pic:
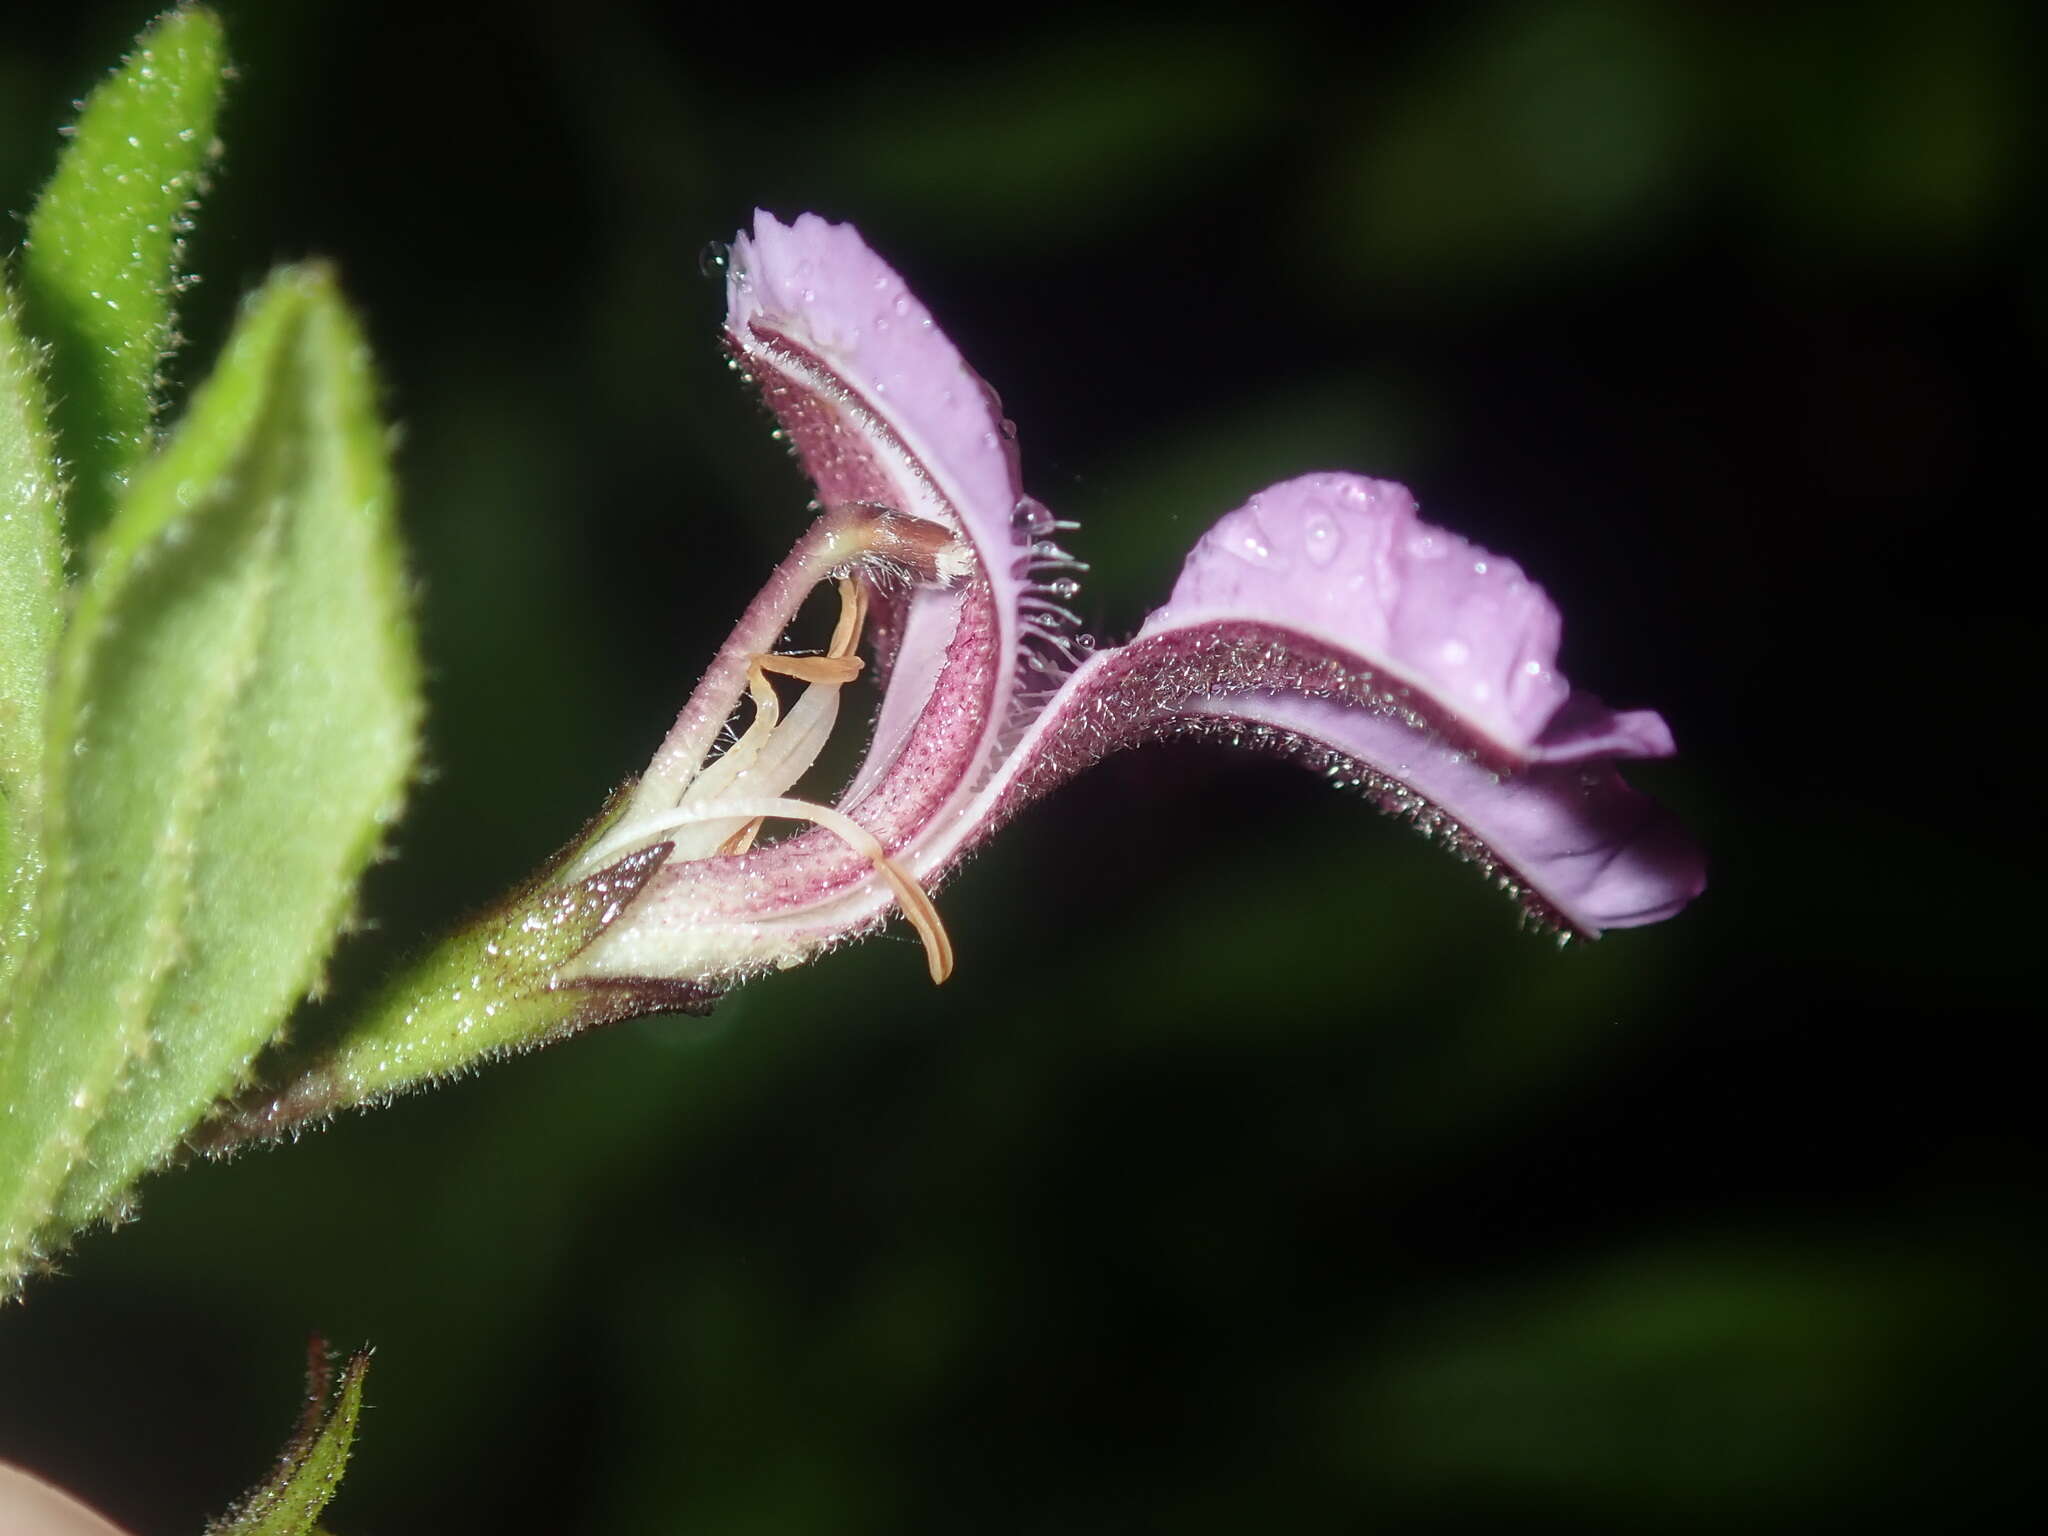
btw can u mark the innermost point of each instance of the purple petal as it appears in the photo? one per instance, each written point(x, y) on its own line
point(889, 412)
point(1326, 621)
point(881, 411)
point(1572, 840)
point(1344, 561)
point(880, 408)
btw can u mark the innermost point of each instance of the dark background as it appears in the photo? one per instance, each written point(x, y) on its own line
point(1254, 1170)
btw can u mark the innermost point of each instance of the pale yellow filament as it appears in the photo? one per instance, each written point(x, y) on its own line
point(707, 799)
point(917, 906)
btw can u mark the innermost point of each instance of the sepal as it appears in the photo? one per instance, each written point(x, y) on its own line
point(499, 986)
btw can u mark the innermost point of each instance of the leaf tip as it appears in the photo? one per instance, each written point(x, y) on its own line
point(309, 1469)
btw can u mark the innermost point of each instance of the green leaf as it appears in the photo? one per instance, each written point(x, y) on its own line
point(289, 1501)
point(99, 271)
point(31, 619)
point(232, 728)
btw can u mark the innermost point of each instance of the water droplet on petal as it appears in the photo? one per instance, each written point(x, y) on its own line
point(715, 259)
point(1322, 538)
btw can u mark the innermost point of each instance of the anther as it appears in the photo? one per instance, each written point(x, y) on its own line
point(773, 752)
point(931, 552)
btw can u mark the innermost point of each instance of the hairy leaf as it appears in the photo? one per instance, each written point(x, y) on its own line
point(99, 272)
point(31, 619)
point(232, 727)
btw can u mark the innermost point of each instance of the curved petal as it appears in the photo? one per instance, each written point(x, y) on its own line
point(1324, 620)
point(880, 407)
point(882, 412)
point(1345, 561)
point(1572, 841)
point(812, 310)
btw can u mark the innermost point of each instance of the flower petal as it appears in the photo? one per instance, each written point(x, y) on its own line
point(1345, 561)
point(880, 408)
point(890, 409)
point(1571, 840)
point(882, 412)
point(1324, 620)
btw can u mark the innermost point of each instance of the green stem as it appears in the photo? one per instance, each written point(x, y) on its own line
point(492, 989)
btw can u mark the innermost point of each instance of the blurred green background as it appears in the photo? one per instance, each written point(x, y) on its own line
point(1254, 1170)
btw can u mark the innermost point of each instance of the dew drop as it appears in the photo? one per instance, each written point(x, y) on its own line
point(1031, 520)
point(715, 260)
point(1322, 537)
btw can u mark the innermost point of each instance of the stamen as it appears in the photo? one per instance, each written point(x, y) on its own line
point(927, 551)
point(853, 618)
point(777, 749)
point(811, 669)
point(803, 731)
point(910, 896)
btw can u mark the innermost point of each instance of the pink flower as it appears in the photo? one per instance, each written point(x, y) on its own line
point(1323, 620)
